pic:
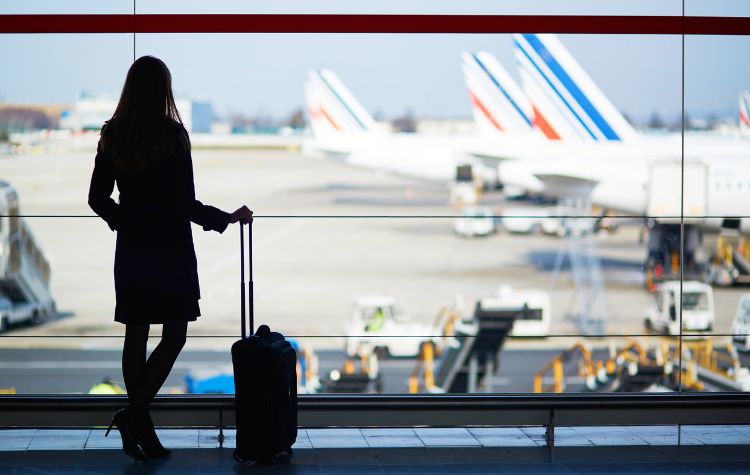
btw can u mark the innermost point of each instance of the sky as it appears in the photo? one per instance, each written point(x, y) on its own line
point(263, 73)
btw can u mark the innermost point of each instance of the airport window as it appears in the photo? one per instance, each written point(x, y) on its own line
point(495, 212)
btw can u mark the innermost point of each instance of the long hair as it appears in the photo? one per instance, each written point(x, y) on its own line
point(146, 126)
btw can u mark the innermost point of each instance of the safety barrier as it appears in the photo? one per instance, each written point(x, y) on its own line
point(548, 410)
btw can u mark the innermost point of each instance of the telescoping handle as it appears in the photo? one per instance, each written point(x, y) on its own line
point(242, 277)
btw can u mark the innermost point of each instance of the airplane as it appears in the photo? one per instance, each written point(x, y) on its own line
point(498, 104)
point(343, 130)
point(601, 158)
point(559, 136)
point(548, 138)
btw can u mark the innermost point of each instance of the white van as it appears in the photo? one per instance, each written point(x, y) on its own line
point(697, 307)
point(532, 220)
point(476, 221)
point(741, 324)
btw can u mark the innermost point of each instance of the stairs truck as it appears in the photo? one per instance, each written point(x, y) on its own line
point(24, 270)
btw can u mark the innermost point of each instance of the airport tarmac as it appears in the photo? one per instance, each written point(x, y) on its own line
point(309, 269)
point(56, 371)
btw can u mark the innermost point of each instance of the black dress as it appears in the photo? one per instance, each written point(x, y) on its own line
point(156, 272)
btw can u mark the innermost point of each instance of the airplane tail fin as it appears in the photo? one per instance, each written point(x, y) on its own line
point(744, 113)
point(332, 108)
point(564, 94)
point(498, 104)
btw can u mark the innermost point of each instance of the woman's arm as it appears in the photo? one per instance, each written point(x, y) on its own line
point(100, 191)
point(212, 219)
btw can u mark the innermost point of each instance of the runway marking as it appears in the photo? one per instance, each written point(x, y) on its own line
point(233, 259)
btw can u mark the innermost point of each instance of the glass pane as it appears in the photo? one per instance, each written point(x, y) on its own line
point(579, 278)
point(47, 88)
point(33, 7)
point(458, 226)
point(713, 311)
point(715, 183)
point(634, 99)
point(717, 8)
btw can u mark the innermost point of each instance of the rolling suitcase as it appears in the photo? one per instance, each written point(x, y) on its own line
point(265, 383)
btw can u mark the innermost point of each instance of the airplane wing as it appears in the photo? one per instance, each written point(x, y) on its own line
point(490, 158)
point(563, 185)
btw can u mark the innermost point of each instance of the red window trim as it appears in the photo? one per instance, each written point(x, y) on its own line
point(310, 23)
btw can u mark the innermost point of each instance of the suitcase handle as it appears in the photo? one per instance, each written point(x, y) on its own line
point(242, 277)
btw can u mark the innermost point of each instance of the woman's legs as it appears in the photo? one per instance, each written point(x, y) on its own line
point(134, 359)
point(144, 378)
point(161, 360)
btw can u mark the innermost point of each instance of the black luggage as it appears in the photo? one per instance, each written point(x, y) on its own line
point(265, 383)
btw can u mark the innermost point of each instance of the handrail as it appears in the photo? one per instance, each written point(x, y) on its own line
point(436, 410)
point(307, 402)
point(376, 410)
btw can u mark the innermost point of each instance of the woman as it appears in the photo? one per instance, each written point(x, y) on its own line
point(145, 150)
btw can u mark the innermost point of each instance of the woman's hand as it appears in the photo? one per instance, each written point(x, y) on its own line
point(243, 214)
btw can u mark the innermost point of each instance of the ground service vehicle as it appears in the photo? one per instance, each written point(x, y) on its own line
point(662, 261)
point(476, 221)
point(531, 220)
point(534, 320)
point(697, 307)
point(464, 190)
point(378, 326)
point(24, 270)
point(741, 324)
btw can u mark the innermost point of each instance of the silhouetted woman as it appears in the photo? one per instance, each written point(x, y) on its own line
point(145, 150)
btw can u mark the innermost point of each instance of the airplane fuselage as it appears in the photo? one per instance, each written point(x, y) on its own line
point(616, 175)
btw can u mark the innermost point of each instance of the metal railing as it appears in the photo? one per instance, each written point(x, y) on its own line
point(547, 410)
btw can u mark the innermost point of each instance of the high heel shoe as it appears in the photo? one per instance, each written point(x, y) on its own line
point(129, 445)
point(146, 434)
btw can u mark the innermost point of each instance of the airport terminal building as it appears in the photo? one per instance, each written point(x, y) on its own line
point(91, 110)
point(553, 280)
